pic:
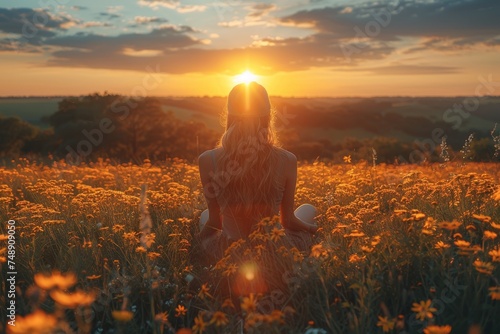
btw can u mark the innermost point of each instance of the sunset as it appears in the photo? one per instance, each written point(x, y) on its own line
point(250, 167)
point(319, 48)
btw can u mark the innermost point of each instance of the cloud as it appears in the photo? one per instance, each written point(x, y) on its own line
point(398, 69)
point(180, 54)
point(110, 16)
point(149, 19)
point(172, 4)
point(78, 8)
point(472, 21)
point(163, 38)
point(93, 24)
point(256, 16)
point(114, 9)
point(440, 25)
point(260, 9)
point(32, 23)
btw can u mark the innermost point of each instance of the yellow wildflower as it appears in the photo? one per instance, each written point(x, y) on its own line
point(180, 311)
point(199, 323)
point(219, 319)
point(249, 304)
point(204, 291)
point(437, 329)
point(450, 225)
point(489, 235)
point(56, 279)
point(385, 323)
point(72, 300)
point(462, 243)
point(122, 315)
point(441, 245)
point(484, 267)
point(36, 322)
point(495, 254)
point(423, 309)
point(494, 293)
point(276, 234)
point(231, 269)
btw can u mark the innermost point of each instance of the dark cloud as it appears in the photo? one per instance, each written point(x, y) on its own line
point(158, 39)
point(110, 16)
point(287, 55)
point(33, 24)
point(471, 21)
point(145, 20)
point(260, 9)
point(439, 25)
point(410, 70)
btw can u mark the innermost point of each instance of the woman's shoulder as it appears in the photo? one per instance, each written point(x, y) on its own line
point(289, 156)
point(207, 155)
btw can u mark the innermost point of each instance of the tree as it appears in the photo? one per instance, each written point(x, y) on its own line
point(14, 133)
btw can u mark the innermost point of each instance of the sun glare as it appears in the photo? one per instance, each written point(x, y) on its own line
point(245, 77)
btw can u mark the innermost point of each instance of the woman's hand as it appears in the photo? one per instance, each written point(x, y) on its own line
point(206, 234)
point(297, 224)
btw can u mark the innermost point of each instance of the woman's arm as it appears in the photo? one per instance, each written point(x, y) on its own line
point(288, 218)
point(214, 222)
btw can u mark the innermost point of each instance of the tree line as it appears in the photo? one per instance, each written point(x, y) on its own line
point(126, 129)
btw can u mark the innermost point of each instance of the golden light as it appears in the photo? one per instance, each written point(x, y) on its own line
point(245, 77)
point(248, 270)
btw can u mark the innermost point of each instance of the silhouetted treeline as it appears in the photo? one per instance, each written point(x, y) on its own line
point(108, 126)
point(132, 129)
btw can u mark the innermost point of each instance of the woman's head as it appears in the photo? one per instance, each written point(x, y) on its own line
point(248, 116)
point(248, 100)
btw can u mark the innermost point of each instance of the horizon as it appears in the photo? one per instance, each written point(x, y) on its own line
point(295, 49)
point(270, 96)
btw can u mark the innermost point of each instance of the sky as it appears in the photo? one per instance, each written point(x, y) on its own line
point(305, 48)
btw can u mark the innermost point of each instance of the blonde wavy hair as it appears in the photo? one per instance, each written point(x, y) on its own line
point(249, 161)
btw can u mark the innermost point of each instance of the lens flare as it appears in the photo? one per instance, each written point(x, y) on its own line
point(245, 77)
point(248, 270)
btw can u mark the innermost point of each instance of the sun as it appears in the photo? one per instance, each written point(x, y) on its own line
point(245, 77)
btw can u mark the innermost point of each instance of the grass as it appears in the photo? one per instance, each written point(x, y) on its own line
point(401, 249)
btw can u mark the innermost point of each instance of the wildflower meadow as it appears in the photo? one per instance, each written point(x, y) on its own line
point(113, 248)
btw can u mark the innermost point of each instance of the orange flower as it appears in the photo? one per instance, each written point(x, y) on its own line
point(231, 269)
point(276, 234)
point(494, 293)
point(437, 329)
point(219, 319)
point(180, 311)
point(36, 322)
point(204, 292)
point(489, 235)
point(385, 323)
point(450, 225)
point(441, 245)
point(423, 309)
point(72, 300)
point(462, 243)
point(249, 304)
point(495, 254)
point(484, 267)
point(199, 323)
point(55, 280)
point(122, 315)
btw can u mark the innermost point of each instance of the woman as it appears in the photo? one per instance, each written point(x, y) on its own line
point(248, 177)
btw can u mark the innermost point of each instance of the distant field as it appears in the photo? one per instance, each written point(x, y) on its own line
point(403, 118)
point(29, 109)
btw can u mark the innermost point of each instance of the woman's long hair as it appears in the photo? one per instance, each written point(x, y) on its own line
point(249, 164)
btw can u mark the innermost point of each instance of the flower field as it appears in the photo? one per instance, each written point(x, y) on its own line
point(401, 249)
